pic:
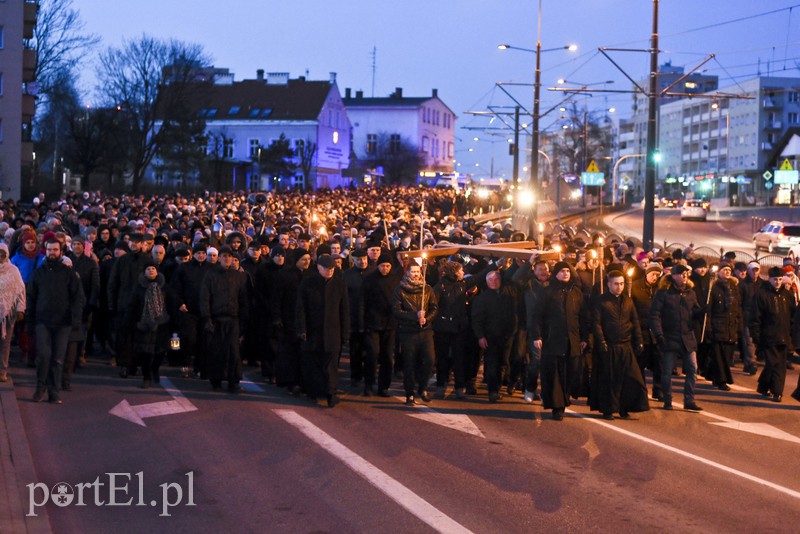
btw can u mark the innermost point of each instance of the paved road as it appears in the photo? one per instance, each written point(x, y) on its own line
point(265, 461)
point(729, 228)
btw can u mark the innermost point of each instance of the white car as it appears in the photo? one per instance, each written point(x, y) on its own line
point(694, 210)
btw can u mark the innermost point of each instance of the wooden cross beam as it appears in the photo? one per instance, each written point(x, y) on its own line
point(517, 249)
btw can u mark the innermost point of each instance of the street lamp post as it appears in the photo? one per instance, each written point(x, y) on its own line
point(614, 175)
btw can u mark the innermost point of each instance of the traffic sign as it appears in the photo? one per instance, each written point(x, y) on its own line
point(592, 167)
point(593, 178)
point(626, 179)
point(786, 177)
point(785, 166)
point(768, 185)
point(767, 175)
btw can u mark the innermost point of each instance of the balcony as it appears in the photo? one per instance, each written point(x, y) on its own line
point(766, 145)
point(29, 61)
point(773, 125)
point(27, 153)
point(771, 103)
point(29, 19)
point(28, 107)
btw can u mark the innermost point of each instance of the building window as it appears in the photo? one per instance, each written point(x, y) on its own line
point(425, 144)
point(792, 117)
point(227, 151)
point(450, 150)
point(159, 179)
point(254, 146)
point(1, 84)
point(234, 110)
point(794, 96)
point(2, 38)
point(335, 137)
point(394, 143)
point(372, 143)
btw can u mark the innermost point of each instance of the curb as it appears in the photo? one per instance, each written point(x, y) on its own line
point(17, 470)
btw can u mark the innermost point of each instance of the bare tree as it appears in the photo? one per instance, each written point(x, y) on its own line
point(59, 42)
point(400, 159)
point(306, 151)
point(151, 81)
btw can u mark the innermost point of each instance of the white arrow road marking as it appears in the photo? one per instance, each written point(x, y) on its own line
point(459, 422)
point(400, 494)
point(762, 429)
point(137, 414)
point(711, 463)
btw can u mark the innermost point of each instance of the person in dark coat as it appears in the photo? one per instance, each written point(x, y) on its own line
point(642, 291)
point(89, 272)
point(54, 306)
point(451, 328)
point(121, 283)
point(673, 314)
point(724, 326)
point(287, 363)
point(559, 331)
point(267, 311)
point(185, 290)
point(354, 279)
point(251, 352)
point(771, 328)
point(380, 326)
point(748, 287)
point(494, 322)
point(224, 308)
point(533, 277)
point(617, 383)
point(322, 324)
point(414, 306)
point(147, 315)
point(701, 283)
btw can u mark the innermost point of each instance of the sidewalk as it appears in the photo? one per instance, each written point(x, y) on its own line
point(16, 470)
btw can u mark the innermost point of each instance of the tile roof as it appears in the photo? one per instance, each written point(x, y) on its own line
point(257, 100)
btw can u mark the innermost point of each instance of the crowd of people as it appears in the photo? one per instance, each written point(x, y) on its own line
point(283, 282)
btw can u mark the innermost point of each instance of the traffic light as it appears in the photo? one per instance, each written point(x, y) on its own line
point(656, 156)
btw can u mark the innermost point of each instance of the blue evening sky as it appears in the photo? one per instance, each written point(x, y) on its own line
point(451, 45)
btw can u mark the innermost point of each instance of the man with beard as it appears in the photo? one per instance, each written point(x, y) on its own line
point(414, 306)
point(354, 279)
point(770, 326)
point(54, 306)
point(380, 326)
point(322, 322)
point(121, 283)
point(559, 332)
point(673, 314)
point(642, 292)
point(224, 309)
point(267, 310)
point(494, 322)
point(617, 384)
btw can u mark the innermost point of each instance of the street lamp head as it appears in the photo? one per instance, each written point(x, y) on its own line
point(503, 46)
point(572, 47)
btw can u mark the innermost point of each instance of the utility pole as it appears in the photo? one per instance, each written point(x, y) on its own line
point(516, 147)
point(648, 226)
point(537, 191)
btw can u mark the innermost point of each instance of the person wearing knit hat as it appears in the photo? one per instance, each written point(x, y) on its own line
point(642, 291)
point(385, 257)
point(277, 250)
point(772, 331)
point(556, 331)
point(28, 256)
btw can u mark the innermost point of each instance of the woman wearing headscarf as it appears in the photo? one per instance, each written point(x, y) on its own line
point(148, 315)
point(12, 306)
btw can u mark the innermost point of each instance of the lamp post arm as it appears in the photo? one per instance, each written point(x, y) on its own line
point(614, 174)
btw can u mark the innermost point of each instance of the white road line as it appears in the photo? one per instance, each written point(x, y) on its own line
point(403, 496)
point(706, 461)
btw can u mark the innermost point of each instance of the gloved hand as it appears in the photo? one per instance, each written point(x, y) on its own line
point(604, 348)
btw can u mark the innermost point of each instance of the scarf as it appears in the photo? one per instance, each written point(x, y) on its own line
point(12, 293)
point(410, 285)
point(153, 311)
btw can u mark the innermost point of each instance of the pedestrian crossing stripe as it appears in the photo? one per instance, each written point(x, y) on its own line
point(593, 167)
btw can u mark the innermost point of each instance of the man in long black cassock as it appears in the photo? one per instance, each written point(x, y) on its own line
point(617, 383)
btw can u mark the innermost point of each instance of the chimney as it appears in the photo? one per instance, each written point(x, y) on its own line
point(435, 93)
point(398, 92)
point(359, 94)
point(347, 92)
point(260, 75)
point(333, 77)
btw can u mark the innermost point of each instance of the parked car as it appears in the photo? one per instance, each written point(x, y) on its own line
point(693, 209)
point(777, 236)
point(670, 202)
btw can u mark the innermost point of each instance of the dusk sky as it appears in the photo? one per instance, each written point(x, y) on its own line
point(451, 45)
